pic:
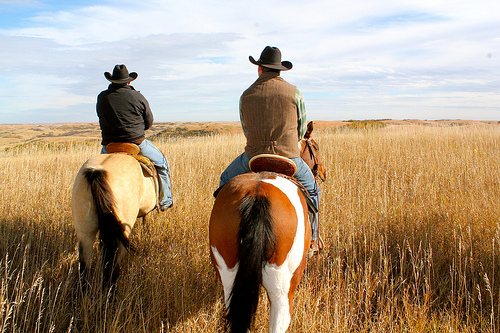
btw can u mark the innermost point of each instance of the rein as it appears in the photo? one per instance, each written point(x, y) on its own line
point(312, 153)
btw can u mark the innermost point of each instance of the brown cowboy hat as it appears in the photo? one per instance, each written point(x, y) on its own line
point(120, 75)
point(271, 58)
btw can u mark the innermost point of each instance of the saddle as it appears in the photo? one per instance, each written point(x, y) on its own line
point(123, 147)
point(283, 166)
point(133, 150)
point(274, 163)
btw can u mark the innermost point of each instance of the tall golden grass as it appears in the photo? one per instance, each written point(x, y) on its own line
point(409, 214)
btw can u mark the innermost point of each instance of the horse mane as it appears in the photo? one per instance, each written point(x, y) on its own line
point(111, 230)
point(256, 245)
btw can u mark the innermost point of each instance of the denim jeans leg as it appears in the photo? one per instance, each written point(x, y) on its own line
point(237, 167)
point(305, 176)
point(161, 163)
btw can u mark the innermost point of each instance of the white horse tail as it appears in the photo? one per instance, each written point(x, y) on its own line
point(111, 229)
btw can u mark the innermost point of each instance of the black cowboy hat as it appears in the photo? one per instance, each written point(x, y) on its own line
point(120, 75)
point(271, 58)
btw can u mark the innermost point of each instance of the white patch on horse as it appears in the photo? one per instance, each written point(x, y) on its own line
point(276, 279)
point(227, 275)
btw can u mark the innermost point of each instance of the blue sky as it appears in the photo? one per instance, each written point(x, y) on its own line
point(367, 59)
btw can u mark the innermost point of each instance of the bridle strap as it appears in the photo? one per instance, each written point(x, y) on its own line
point(313, 156)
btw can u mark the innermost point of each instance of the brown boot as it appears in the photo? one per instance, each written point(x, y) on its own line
point(315, 248)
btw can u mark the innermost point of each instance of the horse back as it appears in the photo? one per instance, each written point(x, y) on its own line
point(225, 217)
point(131, 190)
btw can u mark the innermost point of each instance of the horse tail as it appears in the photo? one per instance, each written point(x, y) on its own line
point(111, 230)
point(256, 245)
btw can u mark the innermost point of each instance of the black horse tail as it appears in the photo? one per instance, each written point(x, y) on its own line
point(111, 230)
point(256, 245)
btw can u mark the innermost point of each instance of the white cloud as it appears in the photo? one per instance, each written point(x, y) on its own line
point(370, 57)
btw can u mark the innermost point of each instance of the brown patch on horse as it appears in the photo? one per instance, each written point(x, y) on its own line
point(225, 217)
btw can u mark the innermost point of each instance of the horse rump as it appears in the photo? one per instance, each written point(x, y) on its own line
point(111, 230)
point(256, 245)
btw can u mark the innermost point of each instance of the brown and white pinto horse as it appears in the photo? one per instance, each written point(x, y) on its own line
point(110, 192)
point(259, 234)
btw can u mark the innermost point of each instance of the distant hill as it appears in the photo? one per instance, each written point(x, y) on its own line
point(16, 134)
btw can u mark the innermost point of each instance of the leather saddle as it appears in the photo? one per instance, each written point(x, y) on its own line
point(133, 150)
point(273, 163)
point(283, 166)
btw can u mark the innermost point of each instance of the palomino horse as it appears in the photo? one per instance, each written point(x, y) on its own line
point(110, 192)
point(259, 234)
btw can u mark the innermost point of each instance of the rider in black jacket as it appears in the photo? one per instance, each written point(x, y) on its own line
point(124, 116)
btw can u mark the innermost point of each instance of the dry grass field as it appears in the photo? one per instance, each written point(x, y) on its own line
point(410, 216)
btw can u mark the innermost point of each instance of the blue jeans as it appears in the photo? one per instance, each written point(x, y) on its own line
point(161, 163)
point(304, 175)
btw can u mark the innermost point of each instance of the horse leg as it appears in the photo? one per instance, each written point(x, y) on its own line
point(111, 270)
point(281, 284)
point(85, 252)
point(115, 246)
point(226, 274)
point(86, 227)
point(277, 285)
point(85, 246)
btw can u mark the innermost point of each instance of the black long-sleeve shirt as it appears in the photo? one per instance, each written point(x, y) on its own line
point(124, 114)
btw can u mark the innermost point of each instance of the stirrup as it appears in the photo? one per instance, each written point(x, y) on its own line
point(315, 250)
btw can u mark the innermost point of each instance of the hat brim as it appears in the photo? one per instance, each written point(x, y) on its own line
point(284, 66)
point(131, 77)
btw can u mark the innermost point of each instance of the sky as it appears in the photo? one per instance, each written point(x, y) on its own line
point(364, 59)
